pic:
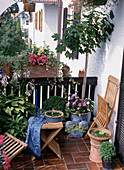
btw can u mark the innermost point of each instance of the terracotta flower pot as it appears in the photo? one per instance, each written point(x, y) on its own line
point(7, 69)
point(29, 7)
point(65, 70)
point(96, 142)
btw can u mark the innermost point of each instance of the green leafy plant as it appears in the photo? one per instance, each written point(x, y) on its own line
point(99, 133)
point(11, 35)
point(53, 114)
point(54, 103)
point(14, 114)
point(107, 151)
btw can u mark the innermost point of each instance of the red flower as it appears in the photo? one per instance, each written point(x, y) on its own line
point(1, 139)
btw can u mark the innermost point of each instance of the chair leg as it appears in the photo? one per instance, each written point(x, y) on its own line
point(92, 126)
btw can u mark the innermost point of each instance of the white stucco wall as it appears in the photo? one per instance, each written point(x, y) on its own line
point(108, 60)
point(49, 26)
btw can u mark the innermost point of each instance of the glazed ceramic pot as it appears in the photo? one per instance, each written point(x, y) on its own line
point(86, 116)
point(51, 116)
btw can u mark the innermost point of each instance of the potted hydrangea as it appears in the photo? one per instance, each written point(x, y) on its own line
point(76, 128)
point(77, 107)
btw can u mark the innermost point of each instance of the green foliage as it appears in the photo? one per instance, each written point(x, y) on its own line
point(74, 128)
point(54, 103)
point(14, 114)
point(85, 34)
point(99, 133)
point(11, 36)
point(107, 151)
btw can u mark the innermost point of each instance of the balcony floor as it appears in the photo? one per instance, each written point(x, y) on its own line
point(75, 155)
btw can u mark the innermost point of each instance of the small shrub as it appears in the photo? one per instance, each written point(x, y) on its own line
point(107, 151)
point(54, 103)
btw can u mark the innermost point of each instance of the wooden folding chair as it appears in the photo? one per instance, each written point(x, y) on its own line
point(12, 146)
point(106, 106)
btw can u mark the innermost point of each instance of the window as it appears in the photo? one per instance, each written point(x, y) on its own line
point(27, 22)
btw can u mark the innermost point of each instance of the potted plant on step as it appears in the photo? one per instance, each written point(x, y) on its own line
point(107, 152)
point(97, 137)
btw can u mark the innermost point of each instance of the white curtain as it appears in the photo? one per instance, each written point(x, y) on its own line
point(4, 4)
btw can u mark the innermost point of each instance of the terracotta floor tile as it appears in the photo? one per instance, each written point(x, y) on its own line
point(69, 150)
point(22, 159)
point(46, 157)
point(82, 147)
point(38, 162)
point(92, 166)
point(46, 168)
point(99, 164)
point(54, 162)
point(80, 154)
point(28, 168)
point(68, 158)
point(68, 145)
point(73, 140)
point(101, 168)
point(23, 165)
point(17, 169)
point(77, 166)
point(61, 167)
point(82, 159)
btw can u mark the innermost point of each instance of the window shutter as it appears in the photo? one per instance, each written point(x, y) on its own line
point(36, 20)
point(64, 20)
point(69, 11)
point(41, 20)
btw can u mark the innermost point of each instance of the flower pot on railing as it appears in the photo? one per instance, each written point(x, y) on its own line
point(25, 1)
point(38, 71)
point(29, 7)
point(66, 71)
point(7, 69)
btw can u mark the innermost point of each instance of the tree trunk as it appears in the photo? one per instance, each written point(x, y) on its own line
point(85, 78)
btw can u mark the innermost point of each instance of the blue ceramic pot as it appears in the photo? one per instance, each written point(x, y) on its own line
point(54, 119)
point(86, 116)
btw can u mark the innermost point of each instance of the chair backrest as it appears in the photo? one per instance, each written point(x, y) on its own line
point(111, 93)
point(12, 146)
point(102, 112)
